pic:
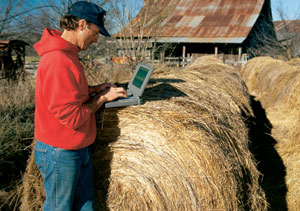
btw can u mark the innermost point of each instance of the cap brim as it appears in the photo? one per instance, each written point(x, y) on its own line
point(103, 31)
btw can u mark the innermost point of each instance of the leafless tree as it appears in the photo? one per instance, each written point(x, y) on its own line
point(288, 31)
point(287, 42)
point(9, 10)
point(21, 16)
point(137, 34)
point(25, 18)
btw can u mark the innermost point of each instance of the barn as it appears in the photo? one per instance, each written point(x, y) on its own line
point(233, 29)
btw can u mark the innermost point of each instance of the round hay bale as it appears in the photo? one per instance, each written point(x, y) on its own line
point(31, 191)
point(282, 104)
point(185, 148)
point(273, 82)
point(259, 73)
point(294, 61)
point(276, 84)
point(207, 60)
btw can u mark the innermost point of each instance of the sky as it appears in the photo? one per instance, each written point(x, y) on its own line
point(290, 7)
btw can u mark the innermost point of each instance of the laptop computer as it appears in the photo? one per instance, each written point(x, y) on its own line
point(135, 87)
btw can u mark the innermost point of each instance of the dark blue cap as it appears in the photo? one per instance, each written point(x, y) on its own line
point(91, 13)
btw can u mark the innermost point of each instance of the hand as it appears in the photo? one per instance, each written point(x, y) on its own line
point(101, 87)
point(113, 93)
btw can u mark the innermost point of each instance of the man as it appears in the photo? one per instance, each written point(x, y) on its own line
point(65, 125)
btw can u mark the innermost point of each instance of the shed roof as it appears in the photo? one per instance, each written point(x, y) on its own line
point(201, 21)
point(6, 46)
point(286, 29)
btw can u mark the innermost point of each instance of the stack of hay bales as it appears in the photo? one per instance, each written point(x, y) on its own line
point(185, 148)
point(276, 84)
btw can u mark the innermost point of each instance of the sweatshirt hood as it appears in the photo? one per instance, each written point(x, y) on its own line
point(51, 41)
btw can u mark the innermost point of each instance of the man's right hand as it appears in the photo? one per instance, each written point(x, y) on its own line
point(109, 94)
point(113, 93)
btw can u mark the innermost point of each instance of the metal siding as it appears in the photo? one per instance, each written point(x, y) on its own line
point(203, 20)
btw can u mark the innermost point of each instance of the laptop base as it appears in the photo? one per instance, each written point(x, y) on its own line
point(124, 102)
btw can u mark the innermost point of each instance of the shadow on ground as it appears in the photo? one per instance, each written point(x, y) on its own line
point(269, 163)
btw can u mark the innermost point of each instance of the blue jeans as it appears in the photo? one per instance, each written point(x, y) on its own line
point(68, 177)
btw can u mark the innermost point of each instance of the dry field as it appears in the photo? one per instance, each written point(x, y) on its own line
point(200, 141)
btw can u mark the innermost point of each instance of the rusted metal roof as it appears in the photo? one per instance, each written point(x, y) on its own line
point(7, 45)
point(201, 21)
point(291, 25)
point(287, 29)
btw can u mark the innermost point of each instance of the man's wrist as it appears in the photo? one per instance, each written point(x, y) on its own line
point(96, 102)
point(92, 89)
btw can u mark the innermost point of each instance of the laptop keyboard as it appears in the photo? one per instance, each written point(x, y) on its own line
point(123, 98)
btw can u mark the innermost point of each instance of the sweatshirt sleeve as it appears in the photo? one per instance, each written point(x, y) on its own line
point(64, 93)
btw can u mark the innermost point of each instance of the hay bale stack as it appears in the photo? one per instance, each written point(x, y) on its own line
point(186, 148)
point(280, 98)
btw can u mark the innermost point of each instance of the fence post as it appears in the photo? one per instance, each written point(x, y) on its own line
point(183, 55)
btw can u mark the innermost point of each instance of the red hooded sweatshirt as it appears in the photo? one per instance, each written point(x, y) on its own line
point(61, 117)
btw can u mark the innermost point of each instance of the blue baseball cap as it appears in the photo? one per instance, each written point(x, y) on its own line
point(91, 13)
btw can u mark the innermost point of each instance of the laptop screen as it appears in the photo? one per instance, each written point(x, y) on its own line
point(140, 77)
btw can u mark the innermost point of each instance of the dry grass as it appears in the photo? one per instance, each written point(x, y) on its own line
point(16, 132)
point(186, 148)
point(97, 73)
point(16, 121)
point(277, 85)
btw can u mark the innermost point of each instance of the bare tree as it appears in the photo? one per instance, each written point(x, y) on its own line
point(287, 42)
point(288, 31)
point(25, 18)
point(137, 34)
point(19, 16)
point(9, 10)
point(124, 12)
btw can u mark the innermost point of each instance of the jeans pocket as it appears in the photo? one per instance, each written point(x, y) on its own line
point(68, 158)
point(40, 159)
